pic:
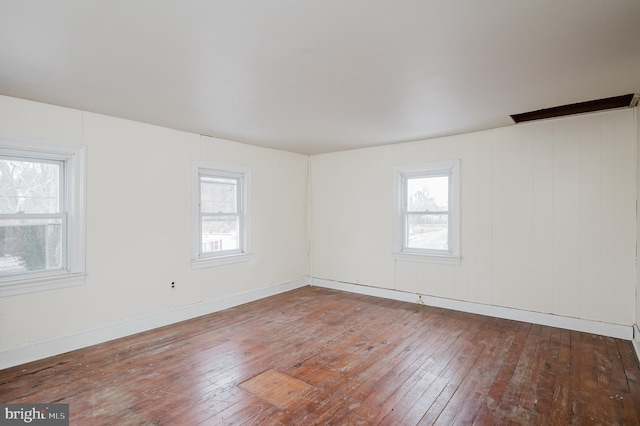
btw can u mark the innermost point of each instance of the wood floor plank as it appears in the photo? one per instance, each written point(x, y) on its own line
point(630, 364)
point(493, 410)
point(536, 399)
point(359, 360)
point(521, 382)
point(464, 407)
point(349, 367)
point(416, 402)
point(448, 384)
point(393, 386)
point(410, 390)
point(372, 380)
point(559, 411)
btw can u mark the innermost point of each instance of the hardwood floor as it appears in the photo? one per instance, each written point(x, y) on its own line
point(319, 356)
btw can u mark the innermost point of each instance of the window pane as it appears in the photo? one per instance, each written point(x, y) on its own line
point(218, 195)
point(29, 187)
point(428, 194)
point(220, 233)
point(428, 231)
point(30, 245)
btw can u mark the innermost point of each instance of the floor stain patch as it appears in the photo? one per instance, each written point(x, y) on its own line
point(277, 388)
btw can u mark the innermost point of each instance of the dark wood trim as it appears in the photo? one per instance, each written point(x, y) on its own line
point(579, 108)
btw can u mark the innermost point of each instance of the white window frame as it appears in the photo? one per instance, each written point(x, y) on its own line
point(243, 254)
point(449, 168)
point(73, 271)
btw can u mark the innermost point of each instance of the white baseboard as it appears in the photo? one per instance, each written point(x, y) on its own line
point(42, 349)
point(570, 323)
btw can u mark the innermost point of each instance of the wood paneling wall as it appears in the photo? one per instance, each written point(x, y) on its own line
point(548, 217)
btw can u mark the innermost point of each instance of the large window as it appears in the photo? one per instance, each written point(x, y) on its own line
point(41, 216)
point(428, 212)
point(222, 221)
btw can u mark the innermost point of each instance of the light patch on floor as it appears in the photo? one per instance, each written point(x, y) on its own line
point(277, 388)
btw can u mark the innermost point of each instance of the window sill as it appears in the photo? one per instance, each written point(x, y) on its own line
point(32, 284)
point(428, 258)
point(208, 262)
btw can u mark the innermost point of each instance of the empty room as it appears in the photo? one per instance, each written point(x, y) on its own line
point(319, 212)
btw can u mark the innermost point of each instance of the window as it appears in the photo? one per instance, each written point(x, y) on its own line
point(41, 216)
point(222, 221)
point(427, 212)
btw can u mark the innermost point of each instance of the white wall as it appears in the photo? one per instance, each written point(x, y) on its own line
point(548, 217)
point(548, 221)
point(139, 188)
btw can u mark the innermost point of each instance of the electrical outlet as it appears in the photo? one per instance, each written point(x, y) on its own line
point(173, 285)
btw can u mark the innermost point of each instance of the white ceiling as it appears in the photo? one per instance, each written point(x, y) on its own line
point(319, 76)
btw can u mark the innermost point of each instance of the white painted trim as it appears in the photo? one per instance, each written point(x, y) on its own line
point(207, 262)
point(401, 253)
point(427, 258)
point(41, 283)
point(570, 323)
point(42, 349)
point(75, 157)
point(636, 340)
point(245, 174)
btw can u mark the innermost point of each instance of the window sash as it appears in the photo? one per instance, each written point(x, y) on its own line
point(407, 213)
point(25, 220)
point(238, 234)
point(201, 255)
point(238, 213)
point(443, 247)
point(235, 182)
point(72, 201)
point(61, 215)
point(12, 155)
